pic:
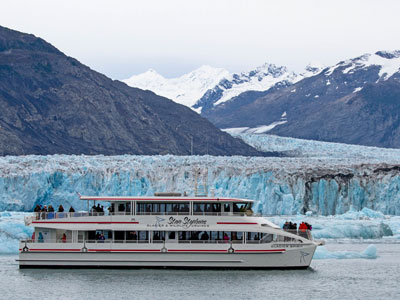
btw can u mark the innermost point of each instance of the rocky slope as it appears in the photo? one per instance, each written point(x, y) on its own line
point(356, 101)
point(52, 104)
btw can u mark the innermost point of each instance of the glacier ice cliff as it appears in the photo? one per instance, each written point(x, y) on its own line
point(282, 186)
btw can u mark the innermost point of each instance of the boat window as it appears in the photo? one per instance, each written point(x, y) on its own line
point(227, 207)
point(184, 235)
point(158, 236)
point(91, 235)
point(253, 237)
point(143, 236)
point(131, 235)
point(239, 207)
point(119, 236)
point(206, 208)
point(171, 235)
point(198, 208)
point(128, 207)
point(237, 236)
point(162, 208)
point(121, 207)
point(267, 238)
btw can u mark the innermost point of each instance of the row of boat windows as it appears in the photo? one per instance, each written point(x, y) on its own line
point(179, 236)
point(165, 208)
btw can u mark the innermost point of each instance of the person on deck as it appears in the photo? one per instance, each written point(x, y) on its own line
point(303, 230)
point(226, 238)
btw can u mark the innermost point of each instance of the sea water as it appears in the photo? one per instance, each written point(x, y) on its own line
point(372, 274)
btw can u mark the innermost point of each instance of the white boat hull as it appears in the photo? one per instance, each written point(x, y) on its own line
point(218, 256)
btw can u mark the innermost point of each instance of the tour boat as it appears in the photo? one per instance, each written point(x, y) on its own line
point(163, 231)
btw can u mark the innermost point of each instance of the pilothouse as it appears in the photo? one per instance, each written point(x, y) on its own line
point(167, 230)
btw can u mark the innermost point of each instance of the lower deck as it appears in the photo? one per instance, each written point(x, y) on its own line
point(228, 255)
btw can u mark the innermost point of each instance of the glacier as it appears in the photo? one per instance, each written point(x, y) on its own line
point(324, 178)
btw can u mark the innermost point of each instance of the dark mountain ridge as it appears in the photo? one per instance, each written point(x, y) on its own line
point(53, 104)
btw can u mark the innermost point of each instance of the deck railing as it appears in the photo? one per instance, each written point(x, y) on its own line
point(62, 215)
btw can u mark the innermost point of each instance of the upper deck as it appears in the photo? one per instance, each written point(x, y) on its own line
point(157, 205)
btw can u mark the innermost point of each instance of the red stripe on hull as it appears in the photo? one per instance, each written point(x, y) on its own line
point(54, 249)
point(66, 222)
point(193, 250)
point(272, 250)
point(124, 250)
point(236, 223)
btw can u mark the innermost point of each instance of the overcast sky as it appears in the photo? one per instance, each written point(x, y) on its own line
point(122, 38)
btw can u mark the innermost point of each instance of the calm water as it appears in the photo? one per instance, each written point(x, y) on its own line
point(327, 279)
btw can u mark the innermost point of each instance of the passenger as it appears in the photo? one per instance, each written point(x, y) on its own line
point(71, 209)
point(205, 236)
point(286, 226)
point(234, 237)
point(235, 208)
point(51, 208)
point(60, 208)
point(156, 237)
point(44, 213)
point(102, 238)
point(40, 238)
point(171, 235)
point(64, 238)
point(98, 208)
point(303, 230)
point(37, 210)
point(134, 236)
point(226, 238)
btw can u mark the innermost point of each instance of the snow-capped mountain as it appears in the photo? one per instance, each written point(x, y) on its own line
point(260, 79)
point(356, 101)
point(186, 89)
point(207, 87)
